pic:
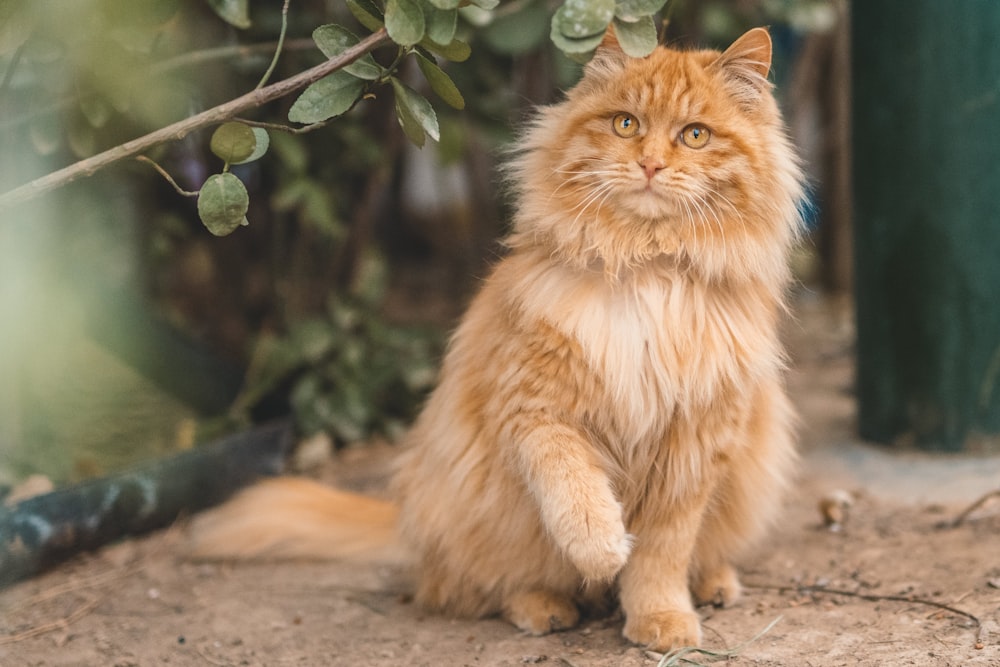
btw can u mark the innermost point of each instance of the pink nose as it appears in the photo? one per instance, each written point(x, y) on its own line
point(650, 165)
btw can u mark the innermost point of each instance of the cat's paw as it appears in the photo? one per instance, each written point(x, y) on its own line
point(541, 612)
point(719, 587)
point(664, 630)
point(600, 557)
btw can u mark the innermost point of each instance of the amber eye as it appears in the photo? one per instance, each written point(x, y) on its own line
point(625, 125)
point(695, 135)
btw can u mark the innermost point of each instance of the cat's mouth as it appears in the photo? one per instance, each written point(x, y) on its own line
point(654, 201)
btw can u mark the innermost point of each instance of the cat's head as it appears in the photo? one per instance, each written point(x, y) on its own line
point(679, 155)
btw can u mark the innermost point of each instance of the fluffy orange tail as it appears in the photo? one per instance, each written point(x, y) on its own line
point(294, 518)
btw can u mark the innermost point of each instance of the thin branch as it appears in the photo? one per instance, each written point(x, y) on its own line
point(226, 52)
point(871, 597)
point(181, 129)
point(277, 50)
point(163, 172)
point(178, 62)
point(961, 518)
point(288, 129)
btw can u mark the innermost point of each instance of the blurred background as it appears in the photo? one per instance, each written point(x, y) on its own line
point(128, 332)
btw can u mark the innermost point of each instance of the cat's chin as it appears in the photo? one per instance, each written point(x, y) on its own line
point(652, 206)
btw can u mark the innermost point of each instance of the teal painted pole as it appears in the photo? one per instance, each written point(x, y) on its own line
point(926, 145)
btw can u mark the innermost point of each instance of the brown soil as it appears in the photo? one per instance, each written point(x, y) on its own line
point(890, 588)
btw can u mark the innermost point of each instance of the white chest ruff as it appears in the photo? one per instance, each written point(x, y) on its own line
point(661, 346)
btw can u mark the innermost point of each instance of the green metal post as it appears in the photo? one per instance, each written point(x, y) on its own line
point(926, 142)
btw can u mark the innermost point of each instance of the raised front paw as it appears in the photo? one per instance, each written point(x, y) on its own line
point(600, 555)
point(664, 630)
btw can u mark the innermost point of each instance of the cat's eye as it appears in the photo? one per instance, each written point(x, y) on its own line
point(625, 125)
point(695, 135)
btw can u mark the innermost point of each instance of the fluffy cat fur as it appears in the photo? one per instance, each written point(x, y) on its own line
point(611, 417)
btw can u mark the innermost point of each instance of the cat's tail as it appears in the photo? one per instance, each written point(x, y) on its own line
point(291, 518)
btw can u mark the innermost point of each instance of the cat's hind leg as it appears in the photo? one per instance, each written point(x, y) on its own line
point(539, 612)
point(746, 499)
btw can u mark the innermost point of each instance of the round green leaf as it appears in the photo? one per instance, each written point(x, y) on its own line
point(233, 12)
point(233, 142)
point(263, 143)
point(637, 39)
point(583, 18)
point(330, 96)
point(404, 20)
point(366, 13)
point(223, 203)
point(441, 83)
point(573, 46)
point(441, 25)
point(445, 4)
point(333, 40)
point(631, 11)
point(486, 4)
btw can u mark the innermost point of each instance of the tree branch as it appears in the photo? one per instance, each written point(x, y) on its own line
point(181, 129)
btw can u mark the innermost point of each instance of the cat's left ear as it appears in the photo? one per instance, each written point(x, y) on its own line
point(609, 59)
point(745, 65)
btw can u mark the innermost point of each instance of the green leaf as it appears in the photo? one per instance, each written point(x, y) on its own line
point(333, 40)
point(367, 14)
point(46, 133)
point(263, 143)
point(519, 32)
point(223, 203)
point(445, 4)
point(573, 46)
point(636, 39)
point(233, 142)
point(233, 12)
point(631, 11)
point(441, 25)
point(313, 339)
point(329, 97)
point(415, 113)
point(583, 18)
point(95, 108)
point(441, 83)
point(404, 20)
point(457, 52)
point(486, 4)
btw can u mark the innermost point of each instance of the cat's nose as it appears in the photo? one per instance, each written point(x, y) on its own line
point(650, 165)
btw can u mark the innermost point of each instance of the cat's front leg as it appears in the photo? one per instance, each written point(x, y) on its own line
point(654, 584)
point(575, 498)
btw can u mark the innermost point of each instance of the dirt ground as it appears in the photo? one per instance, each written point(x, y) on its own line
point(891, 587)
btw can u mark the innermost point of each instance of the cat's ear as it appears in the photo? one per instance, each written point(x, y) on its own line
point(609, 59)
point(745, 65)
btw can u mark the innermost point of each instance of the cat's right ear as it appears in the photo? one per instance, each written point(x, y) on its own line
point(609, 59)
point(745, 65)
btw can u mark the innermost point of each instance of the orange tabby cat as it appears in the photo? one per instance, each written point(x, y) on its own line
point(611, 417)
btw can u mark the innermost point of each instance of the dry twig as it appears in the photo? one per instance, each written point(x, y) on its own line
point(58, 624)
point(871, 597)
point(964, 515)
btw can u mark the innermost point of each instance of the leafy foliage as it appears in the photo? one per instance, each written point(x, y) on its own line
point(348, 372)
point(111, 69)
